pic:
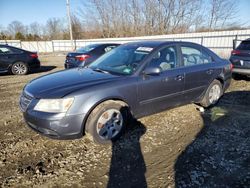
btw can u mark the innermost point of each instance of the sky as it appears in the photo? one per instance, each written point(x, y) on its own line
point(28, 11)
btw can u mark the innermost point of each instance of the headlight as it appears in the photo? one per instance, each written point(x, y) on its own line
point(54, 105)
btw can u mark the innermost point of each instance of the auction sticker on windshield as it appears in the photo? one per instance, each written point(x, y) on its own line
point(145, 49)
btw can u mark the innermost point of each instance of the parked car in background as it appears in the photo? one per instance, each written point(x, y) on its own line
point(86, 55)
point(17, 61)
point(240, 58)
point(137, 79)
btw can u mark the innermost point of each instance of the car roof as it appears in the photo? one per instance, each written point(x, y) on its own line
point(156, 43)
point(104, 44)
point(4, 45)
point(247, 39)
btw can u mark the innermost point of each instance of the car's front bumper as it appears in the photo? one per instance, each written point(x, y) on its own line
point(57, 126)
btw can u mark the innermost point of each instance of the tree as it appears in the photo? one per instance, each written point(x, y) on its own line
point(220, 13)
point(16, 27)
point(54, 28)
point(19, 36)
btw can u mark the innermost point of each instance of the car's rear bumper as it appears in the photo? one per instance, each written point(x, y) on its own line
point(34, 64)
point(241, 71)
point(56, 126)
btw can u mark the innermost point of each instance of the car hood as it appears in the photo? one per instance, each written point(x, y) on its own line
point(59, 84)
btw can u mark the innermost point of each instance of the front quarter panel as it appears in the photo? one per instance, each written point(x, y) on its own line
point(87, 99)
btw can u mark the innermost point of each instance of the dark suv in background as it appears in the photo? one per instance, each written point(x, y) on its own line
point(87, 54)
point(240, 58)
point(17, 61)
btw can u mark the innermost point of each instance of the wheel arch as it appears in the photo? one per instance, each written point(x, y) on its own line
point(97, 103)
point(221, 80)
point(15, 61)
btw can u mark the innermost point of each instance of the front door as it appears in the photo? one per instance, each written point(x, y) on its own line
point(159, 92)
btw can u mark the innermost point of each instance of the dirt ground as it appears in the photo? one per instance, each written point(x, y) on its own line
point(181, 147)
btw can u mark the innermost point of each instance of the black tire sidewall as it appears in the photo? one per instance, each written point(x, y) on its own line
point(93, 118)
point(13, 72)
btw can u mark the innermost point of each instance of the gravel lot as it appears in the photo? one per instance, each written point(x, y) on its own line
point(181, 147)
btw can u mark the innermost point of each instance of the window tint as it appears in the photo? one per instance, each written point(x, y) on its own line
point(245, 45)
point(4, 50)
point(87, 48)
point(15, 50)
point(165, 59)
point(193, 56)
point(123, 60)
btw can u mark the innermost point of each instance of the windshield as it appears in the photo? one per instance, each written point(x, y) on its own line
point(87, 48)
point(122, 60)
point(245, 45)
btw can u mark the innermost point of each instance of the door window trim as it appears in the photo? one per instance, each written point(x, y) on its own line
point(175, 47)
point(197, 47)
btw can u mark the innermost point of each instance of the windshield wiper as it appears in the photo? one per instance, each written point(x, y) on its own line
point(101, 70)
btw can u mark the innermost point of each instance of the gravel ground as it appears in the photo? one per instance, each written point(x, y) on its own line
point(181, 147)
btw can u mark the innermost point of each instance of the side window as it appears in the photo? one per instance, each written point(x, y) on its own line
point(206, 58)
point(193, 56)
point(165, 59)
point(4, 50)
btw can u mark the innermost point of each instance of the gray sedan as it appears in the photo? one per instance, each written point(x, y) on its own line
point(133, 80)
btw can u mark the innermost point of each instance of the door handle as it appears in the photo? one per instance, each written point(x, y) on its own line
point(179, 77)
point(210, 71)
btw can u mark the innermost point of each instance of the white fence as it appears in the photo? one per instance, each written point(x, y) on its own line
point(220, 42)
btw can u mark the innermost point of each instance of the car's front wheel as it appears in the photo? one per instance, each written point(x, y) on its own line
point(107, 121)
point(19, 68)
point(213, 94)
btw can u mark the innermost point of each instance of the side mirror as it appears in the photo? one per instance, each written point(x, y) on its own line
point(152, 71)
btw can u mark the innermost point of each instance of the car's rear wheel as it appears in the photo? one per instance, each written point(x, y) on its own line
point(107, 121)
point(19, 68)
point(213, 94)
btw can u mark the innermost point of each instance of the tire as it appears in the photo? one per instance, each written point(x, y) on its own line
point(19, 68)
point(212, 95)
point(107, 121)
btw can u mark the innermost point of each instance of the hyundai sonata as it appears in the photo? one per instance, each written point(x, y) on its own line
point(135, 79)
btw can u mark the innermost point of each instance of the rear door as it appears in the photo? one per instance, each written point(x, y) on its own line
point(6, 58)
point(159, 92)
point(200, 70)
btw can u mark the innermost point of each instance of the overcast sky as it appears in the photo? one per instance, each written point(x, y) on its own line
point(28, 11)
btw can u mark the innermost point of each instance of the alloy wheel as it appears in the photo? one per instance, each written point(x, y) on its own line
point(214, 94)
point(109, 124)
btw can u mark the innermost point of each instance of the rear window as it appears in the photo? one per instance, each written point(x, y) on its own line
point(87, 48)
point(244, 45)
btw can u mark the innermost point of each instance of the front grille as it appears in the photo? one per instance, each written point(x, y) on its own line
point(25, 100)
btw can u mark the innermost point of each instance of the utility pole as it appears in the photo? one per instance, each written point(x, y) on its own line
point(70, 24)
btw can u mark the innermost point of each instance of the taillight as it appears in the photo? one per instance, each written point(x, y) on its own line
point(82, 57)
point(235, 52)
point(231, 66)
point(34, 55)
